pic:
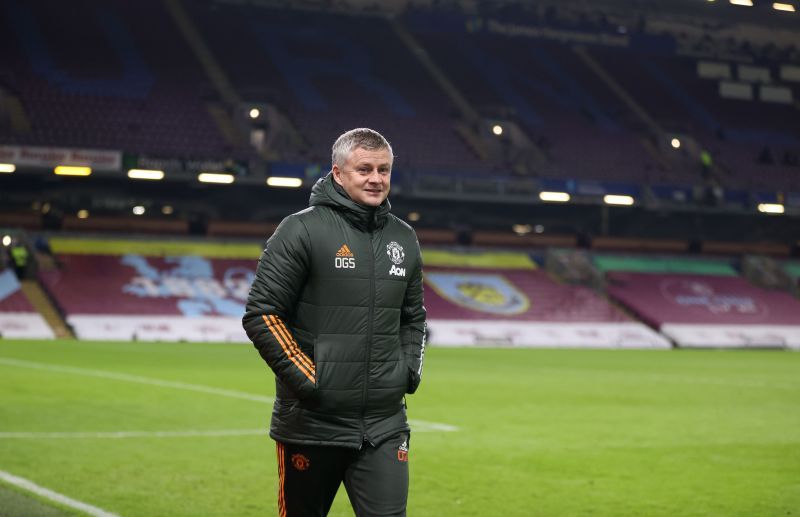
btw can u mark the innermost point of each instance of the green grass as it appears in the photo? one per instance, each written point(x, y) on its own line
point(541, 432)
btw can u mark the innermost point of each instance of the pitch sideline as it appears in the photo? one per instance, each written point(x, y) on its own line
point(50, 495)
point(103, 374)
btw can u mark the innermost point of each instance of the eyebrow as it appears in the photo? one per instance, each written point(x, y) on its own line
point(370, 164)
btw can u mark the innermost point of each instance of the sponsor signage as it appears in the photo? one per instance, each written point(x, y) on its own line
point(159, 328)
point(733, 336)
point(188, 166)
point(49, 157)
point(570, 36)
point(23, 325)
point(517, 334)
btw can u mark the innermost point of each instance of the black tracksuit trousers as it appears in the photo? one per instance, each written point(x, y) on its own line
point(376, 478)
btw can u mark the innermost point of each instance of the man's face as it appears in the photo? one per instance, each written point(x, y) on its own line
point(365, 176)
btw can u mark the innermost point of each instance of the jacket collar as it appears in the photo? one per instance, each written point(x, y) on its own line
point(326, 192)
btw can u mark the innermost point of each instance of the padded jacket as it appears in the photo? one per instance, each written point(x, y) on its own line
point(336, 311)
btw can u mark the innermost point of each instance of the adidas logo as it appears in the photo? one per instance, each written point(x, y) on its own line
point(344, 251)
point(345, 258)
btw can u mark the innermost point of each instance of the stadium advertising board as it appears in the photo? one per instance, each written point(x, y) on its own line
point(572, 36)
point(24, 325)
point(733, 336)
point(158, 328)
point(186, 166)
point(517, 334)
point(48, 157)
point(18, 318)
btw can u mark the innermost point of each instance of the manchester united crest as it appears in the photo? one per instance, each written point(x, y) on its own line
point(300, 462)
point(395, 252)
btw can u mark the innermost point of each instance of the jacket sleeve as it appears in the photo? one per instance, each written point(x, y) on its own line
point(412, 326)
point(280, 276)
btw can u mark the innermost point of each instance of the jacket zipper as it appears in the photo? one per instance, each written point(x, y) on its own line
point(370, 318)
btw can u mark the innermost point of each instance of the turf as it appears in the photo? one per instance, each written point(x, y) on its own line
point(541, 432)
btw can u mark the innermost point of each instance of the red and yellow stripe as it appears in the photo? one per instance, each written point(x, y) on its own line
point(281, 479)
point(289, 346)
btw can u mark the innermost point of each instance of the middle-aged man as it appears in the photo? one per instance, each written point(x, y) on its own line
point(336, 312)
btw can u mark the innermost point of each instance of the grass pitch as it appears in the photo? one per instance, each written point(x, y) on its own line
point(180, 429)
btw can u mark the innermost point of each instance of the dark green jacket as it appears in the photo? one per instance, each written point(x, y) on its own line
point(336, 311)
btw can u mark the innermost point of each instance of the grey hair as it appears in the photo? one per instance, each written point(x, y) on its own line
point(359, 138)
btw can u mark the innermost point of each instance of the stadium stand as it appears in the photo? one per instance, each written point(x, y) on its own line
point(318, 66)
point(584, 95)
point(176, 290)
point(146, 298)
point(473, 298)
point(751, 139)
point(562, 105)
point(142, 91)
point(702, 303)
point(490, 303)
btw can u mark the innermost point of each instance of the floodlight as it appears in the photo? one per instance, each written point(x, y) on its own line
point(278, 181)
point(145, 174)
point(615, 199)
point(214, 177)
point(770, 208)
point(780, 6)
point(522, 229)
point(70, 170)
point(556, 197)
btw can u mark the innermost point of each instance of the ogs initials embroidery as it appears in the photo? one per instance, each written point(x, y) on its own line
point(345, 258)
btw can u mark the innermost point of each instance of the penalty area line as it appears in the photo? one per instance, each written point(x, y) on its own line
point(50, 495)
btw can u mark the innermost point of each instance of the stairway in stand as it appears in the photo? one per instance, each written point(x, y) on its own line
point(42, 303)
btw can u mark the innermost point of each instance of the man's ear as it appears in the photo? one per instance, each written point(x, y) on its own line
point(337, 174)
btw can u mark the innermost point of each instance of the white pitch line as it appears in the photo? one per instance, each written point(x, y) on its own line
point(61, 499)
point(421, 425)
point(137, 379)
point(132, 434)
point(418, 426)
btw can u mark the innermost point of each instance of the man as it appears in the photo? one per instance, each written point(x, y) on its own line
point(19, 252)
point(336, 311)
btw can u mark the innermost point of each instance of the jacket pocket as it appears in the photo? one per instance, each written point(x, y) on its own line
point(338, 381)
